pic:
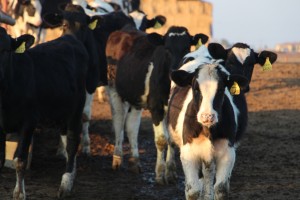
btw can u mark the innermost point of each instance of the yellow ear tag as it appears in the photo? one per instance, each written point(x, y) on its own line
point(235, 89)
point(21, 48)
point(267, 66)
point(93, 24)
point(199, 44)
point(157, 25)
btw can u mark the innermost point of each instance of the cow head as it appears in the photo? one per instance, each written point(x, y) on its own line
point(179, 41)
point(209, 84)
point(72, 18)
point(18, 45)
point(142, 23)
point(240, 59)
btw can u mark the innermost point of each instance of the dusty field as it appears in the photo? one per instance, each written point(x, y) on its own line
point(267, 166)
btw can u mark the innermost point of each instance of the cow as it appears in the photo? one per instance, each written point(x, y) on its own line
point(240, 59)
point(138, 71)
point(108, 24)
point(202, 121)
point(44, 84)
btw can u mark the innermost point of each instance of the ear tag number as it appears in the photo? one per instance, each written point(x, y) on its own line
point(93, 24)
point(21, 48)
point(157, 25)
point(235, 89)
point(199, 44)
point(267, 66)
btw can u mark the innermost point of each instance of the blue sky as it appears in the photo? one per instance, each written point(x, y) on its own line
point(259, 23)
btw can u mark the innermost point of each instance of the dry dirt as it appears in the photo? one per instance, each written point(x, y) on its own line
point(267, 165)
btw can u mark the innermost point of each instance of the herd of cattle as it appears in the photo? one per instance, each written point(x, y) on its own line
point(196, 99)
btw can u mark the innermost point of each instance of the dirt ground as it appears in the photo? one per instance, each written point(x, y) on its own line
point(267, 165)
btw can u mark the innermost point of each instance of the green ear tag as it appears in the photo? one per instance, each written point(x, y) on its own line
point(21, 48)
point(93, 24)
point(157, 25)
point(267, 66)
point(199, 44)
point(235, 89)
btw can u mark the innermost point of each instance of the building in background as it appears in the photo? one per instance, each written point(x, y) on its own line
point(195, 15)
point(288, 47)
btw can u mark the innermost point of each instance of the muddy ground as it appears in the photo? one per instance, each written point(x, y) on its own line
point(267, 165)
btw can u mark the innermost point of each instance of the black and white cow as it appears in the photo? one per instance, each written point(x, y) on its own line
point(202, 120)
point(239, 59)
point(138, 71)
point(44, 84)
point(109, 23)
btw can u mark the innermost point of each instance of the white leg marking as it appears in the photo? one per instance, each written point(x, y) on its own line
point(87, 112)
point(160, 137)
point(133, 122)
point(119, 112)
point(67, 181)
point(19, 191)
point(61, 150)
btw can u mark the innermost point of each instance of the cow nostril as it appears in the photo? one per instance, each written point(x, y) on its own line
point(207, 117)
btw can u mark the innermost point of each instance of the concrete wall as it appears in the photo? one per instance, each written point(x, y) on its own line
point(193, 14)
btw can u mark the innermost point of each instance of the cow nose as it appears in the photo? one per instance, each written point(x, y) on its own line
point(208, 118)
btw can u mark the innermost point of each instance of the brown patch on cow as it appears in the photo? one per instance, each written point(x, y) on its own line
point(118, 44)
point(200, 139)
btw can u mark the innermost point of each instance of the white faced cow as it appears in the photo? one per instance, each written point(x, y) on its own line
point(202, 121)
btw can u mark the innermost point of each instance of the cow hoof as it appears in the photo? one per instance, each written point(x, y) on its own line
point(117, 162)
point(86, 150)
point(160, 181)
point(134, 165)
point(63, 193)
point(171, 175)
point(61, 153)
point(19, 196)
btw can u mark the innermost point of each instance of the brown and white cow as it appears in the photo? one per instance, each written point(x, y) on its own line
point(138, 70)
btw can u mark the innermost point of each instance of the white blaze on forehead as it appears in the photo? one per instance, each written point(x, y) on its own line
point(147, 83)
point(208, 85)
point(137, 18)
point(177, 34)
point(241, 53)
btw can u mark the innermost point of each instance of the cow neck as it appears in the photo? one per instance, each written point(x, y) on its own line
point(6, 63)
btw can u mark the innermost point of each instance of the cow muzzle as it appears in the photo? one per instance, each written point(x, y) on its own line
point(208, 119)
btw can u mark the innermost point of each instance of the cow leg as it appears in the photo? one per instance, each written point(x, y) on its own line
point(61, 150)
point(191, 166)
point(2, 148)
point(73, 139)
point(225, 159)
point(101, 94)
point(208, 170)
point(119, 111)
point(171, 175)
point(133, 121)
point(20, 161)
point(86, 117)
point(161, 144)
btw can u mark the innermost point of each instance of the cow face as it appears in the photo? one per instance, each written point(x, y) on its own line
point(209, 84)
point(178, 41)
point(240, 58)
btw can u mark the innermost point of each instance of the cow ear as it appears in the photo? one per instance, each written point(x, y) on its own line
point(199, 39)
point(94, 22)
point(217, 51)
point(53, 20)
point(22, 43)
point(182, 78)
point(155, 39)
point(159, 21)
point(236, 83)
point(266, 59)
